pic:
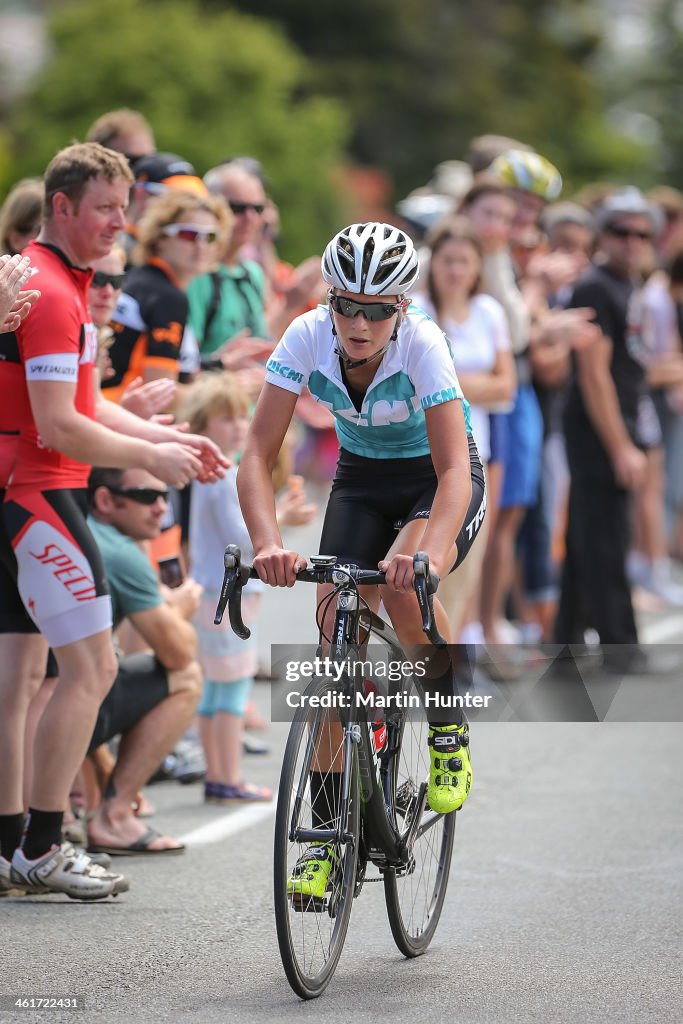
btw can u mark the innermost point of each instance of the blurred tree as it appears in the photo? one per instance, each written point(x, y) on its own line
point(421, 77)
point(654, 86)
point(212, 84)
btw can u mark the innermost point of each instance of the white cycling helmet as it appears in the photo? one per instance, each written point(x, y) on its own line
point(371, 259)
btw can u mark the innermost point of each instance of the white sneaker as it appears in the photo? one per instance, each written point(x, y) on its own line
point(7, 886)
point(62, 869)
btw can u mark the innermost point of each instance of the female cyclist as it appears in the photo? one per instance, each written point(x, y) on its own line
point(408, 478)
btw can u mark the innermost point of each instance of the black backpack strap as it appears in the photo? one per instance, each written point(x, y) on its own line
point(214, 304)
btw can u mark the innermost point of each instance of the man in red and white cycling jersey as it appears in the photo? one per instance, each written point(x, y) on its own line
point(60, 578)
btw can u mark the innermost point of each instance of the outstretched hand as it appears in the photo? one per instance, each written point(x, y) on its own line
point(16, 301)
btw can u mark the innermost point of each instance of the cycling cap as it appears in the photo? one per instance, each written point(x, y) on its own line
point(629, 201)
point(528, 172)
point(371, 259)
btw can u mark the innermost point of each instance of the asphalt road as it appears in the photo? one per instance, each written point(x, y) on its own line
point(565, 903)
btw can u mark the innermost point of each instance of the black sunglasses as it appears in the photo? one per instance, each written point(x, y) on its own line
point(373, 311)
point(618, 232)
point(238, 208)
point(142, 495)
point(101, 280)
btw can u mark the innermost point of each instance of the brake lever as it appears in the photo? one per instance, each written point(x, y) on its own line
point(234, 578)
point(426, 584)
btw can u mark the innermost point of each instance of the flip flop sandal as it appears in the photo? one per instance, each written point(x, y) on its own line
point(140, 846)
point(244, 792)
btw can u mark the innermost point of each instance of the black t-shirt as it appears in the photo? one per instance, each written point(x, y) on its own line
point(149, 324)
point(618, 312)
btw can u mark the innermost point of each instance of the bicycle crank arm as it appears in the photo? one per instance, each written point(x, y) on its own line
point(407, 842)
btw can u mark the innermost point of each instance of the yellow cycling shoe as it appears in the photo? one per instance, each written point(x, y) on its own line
point(312, 871)
point(450, 774)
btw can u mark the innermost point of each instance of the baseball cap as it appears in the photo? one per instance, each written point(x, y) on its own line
point(627, 201)
point(168, 170)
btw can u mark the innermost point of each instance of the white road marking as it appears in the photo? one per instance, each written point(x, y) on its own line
point(228, 825)
point(665, 629)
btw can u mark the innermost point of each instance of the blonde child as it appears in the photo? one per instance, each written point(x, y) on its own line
point(216, 406)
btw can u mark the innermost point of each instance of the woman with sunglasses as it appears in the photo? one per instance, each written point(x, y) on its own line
point(408, 477)
point(177, 239)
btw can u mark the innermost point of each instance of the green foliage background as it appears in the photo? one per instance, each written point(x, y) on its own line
point(307, 87)
point(212, 83)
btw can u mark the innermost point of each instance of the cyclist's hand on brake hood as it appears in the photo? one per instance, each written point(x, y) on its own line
point(399, 572)
point(278, 567)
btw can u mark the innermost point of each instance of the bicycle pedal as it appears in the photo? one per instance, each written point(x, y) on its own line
point(303, 904)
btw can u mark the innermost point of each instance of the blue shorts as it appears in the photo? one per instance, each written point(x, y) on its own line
point(499, 440)
point(525, 443)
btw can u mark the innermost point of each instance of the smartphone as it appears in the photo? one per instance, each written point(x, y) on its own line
point(170, 571)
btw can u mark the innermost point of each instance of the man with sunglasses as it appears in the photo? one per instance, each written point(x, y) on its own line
point(603, 435)
point(155, 693)
point(231, 300)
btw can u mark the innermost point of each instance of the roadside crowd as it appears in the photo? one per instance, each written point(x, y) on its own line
point(139, 303)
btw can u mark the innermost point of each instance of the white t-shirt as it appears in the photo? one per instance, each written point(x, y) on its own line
point(475, 345)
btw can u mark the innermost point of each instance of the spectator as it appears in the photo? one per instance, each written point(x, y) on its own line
point(604, 447)
point(156, 174)
point(216, 406)
point(178, 239)
point(154, 694)
point(476, 328)
point(20, 215)
point(125, 131)
point(229, 304)
point(86, 192)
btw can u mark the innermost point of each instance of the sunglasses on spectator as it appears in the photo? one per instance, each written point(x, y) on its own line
point(190, 233)
point(238, 208)
point(141, 495)
point(619, 232)
point(101, 280)
point(372, 311)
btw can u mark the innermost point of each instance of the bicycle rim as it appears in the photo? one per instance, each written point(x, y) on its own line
point(414, 895)
point(310, 932)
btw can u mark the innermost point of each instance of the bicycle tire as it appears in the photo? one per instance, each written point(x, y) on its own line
point(414, 898)
point(311, 939)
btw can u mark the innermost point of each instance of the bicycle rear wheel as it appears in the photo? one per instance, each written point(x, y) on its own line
point(310, 930)
point(414, 895)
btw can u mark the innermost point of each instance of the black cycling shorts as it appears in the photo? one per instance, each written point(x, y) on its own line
point(141, 683)
point(371, 499)
point(13, 616)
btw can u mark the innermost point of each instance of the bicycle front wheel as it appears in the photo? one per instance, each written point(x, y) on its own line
point(311, 920)
point(415, 893)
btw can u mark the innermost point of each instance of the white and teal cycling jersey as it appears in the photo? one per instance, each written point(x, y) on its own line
point(416, 372)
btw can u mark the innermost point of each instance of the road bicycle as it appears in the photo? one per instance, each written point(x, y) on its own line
point(353, 781)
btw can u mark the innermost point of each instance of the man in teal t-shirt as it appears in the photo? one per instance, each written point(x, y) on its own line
point(232, 299)
point(155, 693)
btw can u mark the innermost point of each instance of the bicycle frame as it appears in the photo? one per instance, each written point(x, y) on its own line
point(384, 844)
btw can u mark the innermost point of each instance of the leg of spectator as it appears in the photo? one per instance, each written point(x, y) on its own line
point(142, 748)
point(22, 669)
point(228, 731)
point(86, 672)
point(35, 713)
point(499, 568)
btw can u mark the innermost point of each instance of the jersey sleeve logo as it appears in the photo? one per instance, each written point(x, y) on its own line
point(62, 366)
point(273, 366)
point(439, 397)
